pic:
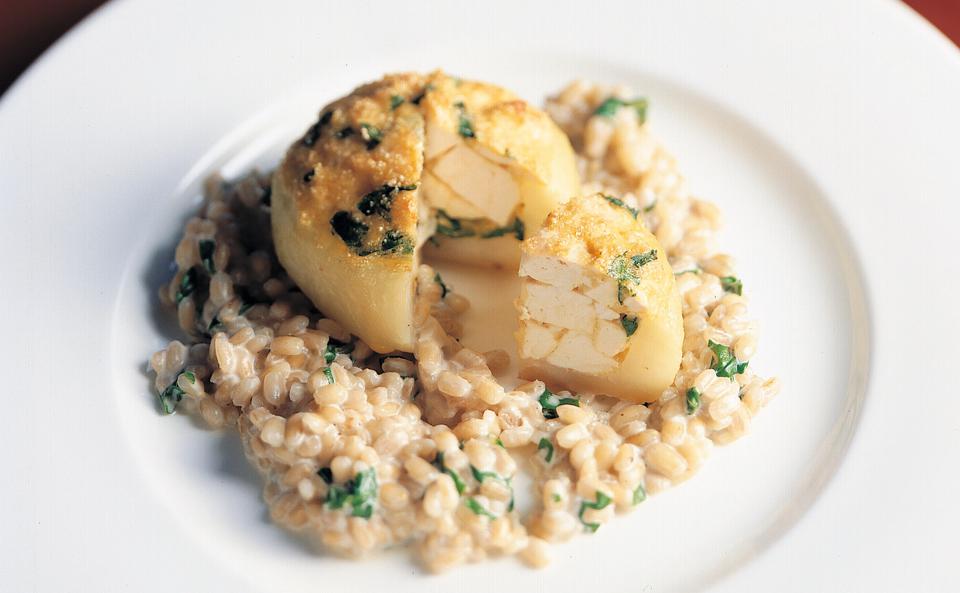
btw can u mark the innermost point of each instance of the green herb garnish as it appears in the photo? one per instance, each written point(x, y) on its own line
point(452, 227)
point(693, 400)
point(206, 248)
point(549, 402)
point(457, 480)
point(629, 324)
point(395, 101)
point(546, 444)
point(350, 230)
point(478, 509)
point(443, 287)
point(639, 495)
point(499, 443)
point(371, 135)
point(360, 494)
point(609, 107)
point(624, 269)
point(328, 373)
point(171, 396)
point(326, 474)
point(464, 126)
point(618, 202)
point(380, 200)
point(516, 228)
point(725, 363)
point(335, 347)
point(601, 503)
point(396, 242)
point(732, 284)
point(188, 284)
point(556, 497)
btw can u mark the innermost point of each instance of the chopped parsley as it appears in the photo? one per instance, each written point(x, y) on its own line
point(380, 200)
point(549, 402)
point(480, 476)
point(335, 347)
point(650, 206)
point(396, 242)
point(732, 284)
point(464, 125)
point(693, 400)
point(516, 228)
point(326, 474)
point(215, 325)
point(328, 373)
point(624, 269)
point(457, 480)
point(693, 270)
point(556, 497)
point(360, 494)
point(478, 509)
point(452, 227)
point(171, 396)
point(639, 495)
point(618, 202)
point(725, 363)
point(395, 101)
point(546, 444)
point(350, 230)
point(313, 133)
point(629, 324)
point(206, 248)
point(244, 308)
point(345, 132)
point(443, 287)
point(188, 284)
point(499, 443)
point(601, 503)
point(371, 135)
point(609, 107)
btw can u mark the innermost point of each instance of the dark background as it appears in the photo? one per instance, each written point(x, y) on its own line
point(28, 27)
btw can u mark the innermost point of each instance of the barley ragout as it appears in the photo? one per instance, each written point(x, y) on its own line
point(360, 451)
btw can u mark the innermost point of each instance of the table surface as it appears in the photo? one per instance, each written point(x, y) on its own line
point(28, 27)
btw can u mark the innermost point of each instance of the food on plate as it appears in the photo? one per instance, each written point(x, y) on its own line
point(599, 307)
point(290, 284)
point(402, 160)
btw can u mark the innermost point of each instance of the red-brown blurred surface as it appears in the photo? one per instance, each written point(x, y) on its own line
point(28, 27)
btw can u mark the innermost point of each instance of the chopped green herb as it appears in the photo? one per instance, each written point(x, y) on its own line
point(345, 132)
point(371, 135)
point(629, 324)
point(618, 202)
point(546, 444)
point(457, 480)
point(350, 230)
point(609, 107)
point(451, 227)
point(601, 503)
point(396, 242)
point(500, 444)
point(335, 347)
point(478, 509)
point(725, 363)
point(380, 200)
point(416, 100)
point(171, 396)
point(443, 287)
point(623, 269)
point(650, 206)
point(516, 228)
point(693, 400)
point(395, 101)
point(464, 126)
point(639, 495)
point(188, 284)
point(549, 402)
point(206, 248)
point(556, 497)
point(326, 474)
point(244, 308)
point(215, 325)
point(732, 284)
point(328, 373)
point(480, 476)
point(694, 270)
point(359, 493)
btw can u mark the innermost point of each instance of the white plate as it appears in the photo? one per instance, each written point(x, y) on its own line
point(824, 131)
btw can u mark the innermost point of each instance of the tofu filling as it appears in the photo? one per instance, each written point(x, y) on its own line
point(570, 316)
